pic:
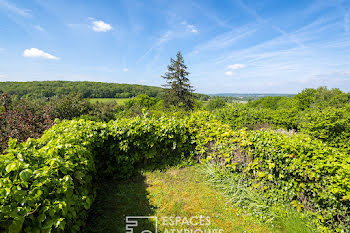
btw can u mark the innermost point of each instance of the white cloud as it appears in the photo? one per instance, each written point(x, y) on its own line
point(125, 69)
point(236, 66)
point(37, 53)
point(190, 27)
point(233, 67)
point(100, 26)
point(228, 73)
point(14, 9)
point(39, 28)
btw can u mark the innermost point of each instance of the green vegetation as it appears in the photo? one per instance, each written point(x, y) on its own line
point(327, 116)
point(94, 90)
point(178, 90)
point(282, 160)
point(23, 118)
point(282, 218)
point(232, 97)
point(216, 103)
point(118, 101)
point(48, 183)
point(177, 191)
point(39, 89)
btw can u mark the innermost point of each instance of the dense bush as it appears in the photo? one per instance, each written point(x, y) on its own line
point(287, 168)
point(284, 167)
point(102, 111)
point(306, 99)
point(141, 101)
point(216, 103)
point(240, 115)
point(297, 169)
point(320, 98)
point(47, 183)
point(23, 120)
point(330, 124)
point(69, 106)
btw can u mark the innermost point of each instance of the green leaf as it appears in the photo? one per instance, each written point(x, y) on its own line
point(11, 167)
point(26, 174)
point(16, 225)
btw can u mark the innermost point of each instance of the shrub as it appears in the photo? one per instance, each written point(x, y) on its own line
point(47, 183)
point(68, 107)
point(216, 103)
point(23, 120)
point(294, 169)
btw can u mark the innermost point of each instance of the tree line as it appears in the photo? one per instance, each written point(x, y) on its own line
point(38, 89)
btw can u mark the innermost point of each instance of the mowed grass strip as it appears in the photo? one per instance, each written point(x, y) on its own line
point(184, 193)
point(176, 192)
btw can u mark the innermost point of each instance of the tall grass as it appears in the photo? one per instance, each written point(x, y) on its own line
point(282, 217)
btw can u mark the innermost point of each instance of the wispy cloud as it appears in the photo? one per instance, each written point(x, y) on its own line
point(229, 73)
point(37, 53)
point(213, 16)
point(39, 28)
point(282, 45)
point(178, 30)
point(162, 40)
point(251, 11)
point(190, 27)
point(125, 69)
point(14, 9)
point(101, 26)
point(285, 59)
point(236, 66)
point(232, 67)
point(225, 40)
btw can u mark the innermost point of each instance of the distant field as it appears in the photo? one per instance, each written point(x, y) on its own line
point(119, 101)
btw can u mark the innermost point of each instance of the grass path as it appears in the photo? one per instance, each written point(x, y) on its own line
point(175, 192)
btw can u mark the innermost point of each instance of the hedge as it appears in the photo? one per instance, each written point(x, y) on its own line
point(47, 184)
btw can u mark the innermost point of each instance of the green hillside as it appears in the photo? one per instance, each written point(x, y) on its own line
point(87, 89)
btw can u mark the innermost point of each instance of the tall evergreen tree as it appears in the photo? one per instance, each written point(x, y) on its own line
point(178, 90)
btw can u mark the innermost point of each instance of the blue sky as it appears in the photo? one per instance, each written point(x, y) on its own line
point(236, 46)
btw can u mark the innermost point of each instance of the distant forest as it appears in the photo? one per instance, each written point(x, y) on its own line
point(37, 89)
